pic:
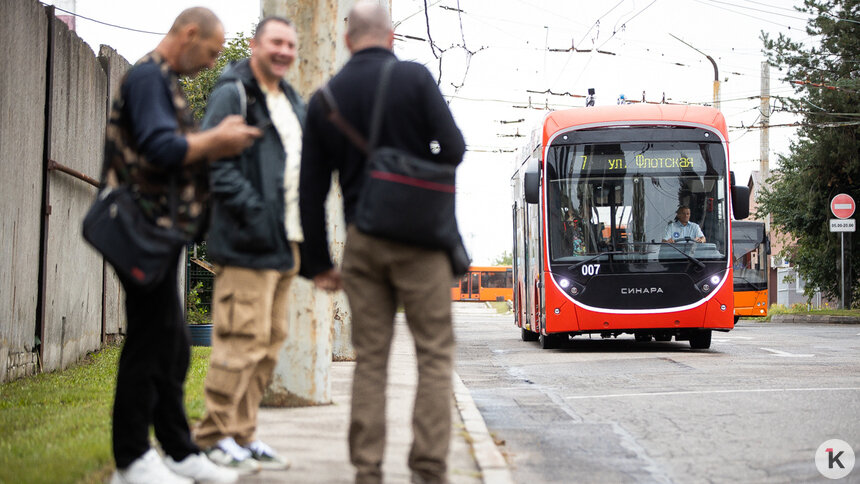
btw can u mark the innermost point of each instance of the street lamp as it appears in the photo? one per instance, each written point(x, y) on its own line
point(716, 72)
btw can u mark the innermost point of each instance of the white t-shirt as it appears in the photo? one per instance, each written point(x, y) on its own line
point(285, 121)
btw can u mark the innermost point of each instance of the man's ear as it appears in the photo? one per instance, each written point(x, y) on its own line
point(190, 33)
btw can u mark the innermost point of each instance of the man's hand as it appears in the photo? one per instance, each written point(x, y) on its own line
point(329, 280)
point(229, 138)
point(233, 136)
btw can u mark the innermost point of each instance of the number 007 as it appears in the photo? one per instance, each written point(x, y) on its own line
point(590, 269)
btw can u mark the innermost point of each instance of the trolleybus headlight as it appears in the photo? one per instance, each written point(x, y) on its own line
point(574, 291)
point(715, 279)
point(564, 283)
point(706, 287)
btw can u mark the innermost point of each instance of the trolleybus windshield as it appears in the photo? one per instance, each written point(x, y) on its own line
point(749, 252)
point(621, 198)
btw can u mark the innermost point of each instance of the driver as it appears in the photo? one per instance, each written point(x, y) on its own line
point(682, 228)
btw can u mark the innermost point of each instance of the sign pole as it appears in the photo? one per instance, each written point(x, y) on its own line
point(842, 206)
point(842, 266)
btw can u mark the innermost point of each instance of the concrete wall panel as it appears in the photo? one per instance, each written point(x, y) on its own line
point(73, 303)
point(115, 67)
point(23, 34)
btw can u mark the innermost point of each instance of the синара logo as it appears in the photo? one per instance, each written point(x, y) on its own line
point(834, 459)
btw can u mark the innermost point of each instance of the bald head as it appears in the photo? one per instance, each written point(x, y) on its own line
point(193, 42)
point(202, 17)
point(368, 25)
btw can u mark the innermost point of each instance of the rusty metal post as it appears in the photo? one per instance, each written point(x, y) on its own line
point(319, 323)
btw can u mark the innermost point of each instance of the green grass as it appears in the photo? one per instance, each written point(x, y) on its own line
point(775, 309)
point(501, 307)
point(55, 427)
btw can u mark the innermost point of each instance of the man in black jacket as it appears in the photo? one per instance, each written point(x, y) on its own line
point(253, 240)
point(151, 133)
point(377, 273)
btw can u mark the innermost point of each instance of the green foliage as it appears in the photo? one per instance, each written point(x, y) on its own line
point(825, 158)
point(504, 259)
point(198, 88)
point(195, 311)
point(55, 427)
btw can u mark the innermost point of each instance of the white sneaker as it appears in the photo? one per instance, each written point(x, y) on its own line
point(147, 469)
point(202, 470)
point(228, 453)
point(267, 457)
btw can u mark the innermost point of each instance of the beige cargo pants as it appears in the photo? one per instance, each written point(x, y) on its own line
point(249, 316)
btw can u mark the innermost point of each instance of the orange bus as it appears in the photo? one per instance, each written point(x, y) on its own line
point(491, 283)
point(750, 248)
point(596, 247)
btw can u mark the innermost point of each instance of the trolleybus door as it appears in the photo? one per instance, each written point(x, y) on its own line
point(470, 287)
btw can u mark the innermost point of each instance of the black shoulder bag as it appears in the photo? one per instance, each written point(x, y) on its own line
point(403, 197)
point(140, 251)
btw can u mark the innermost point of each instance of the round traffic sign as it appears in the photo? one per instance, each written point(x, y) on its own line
point(842, 206)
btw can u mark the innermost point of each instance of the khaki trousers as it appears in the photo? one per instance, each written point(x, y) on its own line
point(249, 322)
point(378, 273)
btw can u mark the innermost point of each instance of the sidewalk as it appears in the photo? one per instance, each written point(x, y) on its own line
point(314, 438)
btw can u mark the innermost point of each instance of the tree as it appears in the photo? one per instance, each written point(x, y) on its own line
point(824, 160)
point(504, 259)
point(198, 88)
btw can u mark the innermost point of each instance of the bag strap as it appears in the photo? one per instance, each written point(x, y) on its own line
point(379, 104)
point(330, 106)
point(335, 117)
point(243, 98)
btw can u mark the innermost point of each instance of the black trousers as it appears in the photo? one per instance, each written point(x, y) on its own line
point(151, 373)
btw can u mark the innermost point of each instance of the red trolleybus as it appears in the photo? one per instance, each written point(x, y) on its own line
point(491, 283)
point(750, 248)
point(597, 248)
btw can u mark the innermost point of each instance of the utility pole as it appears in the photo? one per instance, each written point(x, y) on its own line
point(716, 72)
point(320, 323)
point(765, 120)
point(764, 156)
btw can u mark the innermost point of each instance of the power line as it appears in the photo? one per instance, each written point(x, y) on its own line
point(757, 10)
point(703, 2)
point(103, 23)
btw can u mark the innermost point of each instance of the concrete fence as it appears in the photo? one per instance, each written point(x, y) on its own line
point(58, 300)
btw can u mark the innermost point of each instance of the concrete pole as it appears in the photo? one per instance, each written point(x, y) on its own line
point(765, 120)
point(764, 154)
point(320, 325)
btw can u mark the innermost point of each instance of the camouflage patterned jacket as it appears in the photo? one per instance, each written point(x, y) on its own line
point(126, 164)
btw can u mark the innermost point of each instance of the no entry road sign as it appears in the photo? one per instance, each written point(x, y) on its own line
point(842, 206)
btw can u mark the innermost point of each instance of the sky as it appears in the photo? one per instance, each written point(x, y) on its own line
point(500, 64)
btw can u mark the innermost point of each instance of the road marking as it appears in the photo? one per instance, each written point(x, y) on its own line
point(787, 354)
point(711, 392)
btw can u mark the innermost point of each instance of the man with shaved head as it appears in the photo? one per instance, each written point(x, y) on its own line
point(378, 272)
point(151, 147)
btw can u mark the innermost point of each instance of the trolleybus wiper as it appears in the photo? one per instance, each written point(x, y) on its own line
point(688, 256)
point(614, 252)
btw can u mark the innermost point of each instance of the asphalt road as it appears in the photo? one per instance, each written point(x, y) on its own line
point(753, 408)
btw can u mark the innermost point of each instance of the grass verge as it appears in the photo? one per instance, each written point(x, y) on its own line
point(801, 309)
point(55, 427)
point(501, 307)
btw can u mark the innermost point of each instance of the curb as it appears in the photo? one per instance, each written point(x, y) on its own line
point(494, 468)
point(808, 318)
